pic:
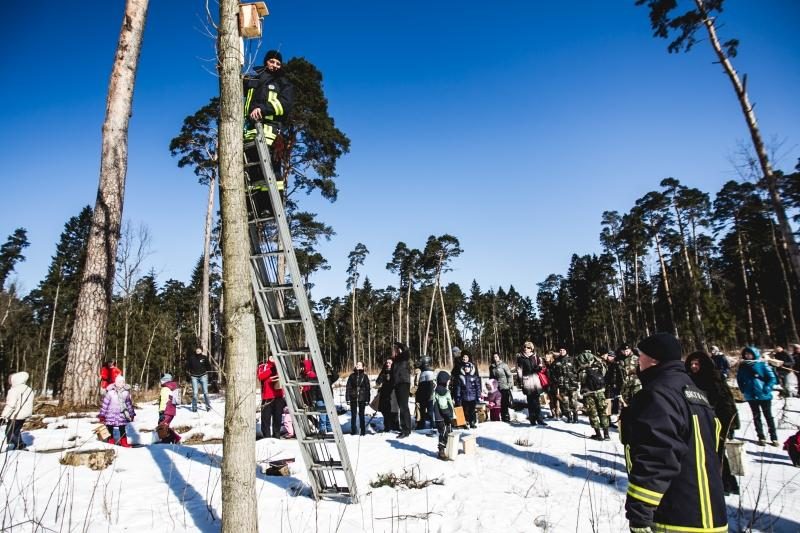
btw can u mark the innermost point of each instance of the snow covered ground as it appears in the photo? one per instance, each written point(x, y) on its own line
point(555, 481)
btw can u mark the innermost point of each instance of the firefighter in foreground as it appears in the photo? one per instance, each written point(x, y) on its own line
point(672, 448)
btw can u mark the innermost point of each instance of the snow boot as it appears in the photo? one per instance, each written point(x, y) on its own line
point(597, 435)
point(110, 440)
point(606, 436)
point(124, 442)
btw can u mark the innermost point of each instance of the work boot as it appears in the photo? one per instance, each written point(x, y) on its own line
point(761, 441)
point(597, 435)
point(606, 436)
point(124, 442)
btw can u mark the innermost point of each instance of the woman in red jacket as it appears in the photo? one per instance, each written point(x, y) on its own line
point(272, 401)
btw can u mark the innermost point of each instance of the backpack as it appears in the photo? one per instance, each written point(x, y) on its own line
point(443, 401)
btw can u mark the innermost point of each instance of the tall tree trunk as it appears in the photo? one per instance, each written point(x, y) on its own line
point(694, 284)
point(353, 320)
point(125, 329)
point(748, 306)
point(50, 340)
point(408, 312)
point(239, 444)
point(205, 297)
point(760, 300)
point(667, 290)
point(446, 329)
point(758, 143)
point(786, 285)
point(88, 342)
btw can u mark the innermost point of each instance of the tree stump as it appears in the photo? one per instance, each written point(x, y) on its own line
point(94, 459)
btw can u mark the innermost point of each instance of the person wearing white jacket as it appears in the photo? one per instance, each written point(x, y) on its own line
point(19, 406)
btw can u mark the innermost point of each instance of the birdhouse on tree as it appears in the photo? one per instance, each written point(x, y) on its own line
point(250, 15)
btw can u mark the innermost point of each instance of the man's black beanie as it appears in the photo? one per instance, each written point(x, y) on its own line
point(273, 54)
point(661, 346)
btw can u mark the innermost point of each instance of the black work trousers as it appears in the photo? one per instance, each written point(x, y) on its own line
point(765, 407)
point(402, 392)
point(271, 415)
point(505, 405)
point(534, 408)
point(357, 408)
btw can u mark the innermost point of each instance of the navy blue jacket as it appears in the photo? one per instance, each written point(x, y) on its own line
point(672, 451)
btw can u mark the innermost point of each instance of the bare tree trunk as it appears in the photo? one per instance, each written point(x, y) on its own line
point(748, 306)
point(446, 330)
point(50, 340)
point(760, 300)
point(408, 312)
point(239, 441)
point(88, 343)
point(353, 320)
point(758, 143)
point(205, 298)
point(667, 290)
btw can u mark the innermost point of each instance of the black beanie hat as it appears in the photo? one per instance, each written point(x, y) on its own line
point(661, 346)
point(273, 54)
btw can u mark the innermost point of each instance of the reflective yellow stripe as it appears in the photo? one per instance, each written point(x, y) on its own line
point(666, 528)
point(718, 426)
point(646, 495)
point(272, 98)
point(249, 99)
point(628, 463)
point(702, 475)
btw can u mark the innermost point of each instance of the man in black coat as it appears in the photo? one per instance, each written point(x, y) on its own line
point(358, 395)
point(401, 381)
point(198, 366)
point(672, 447)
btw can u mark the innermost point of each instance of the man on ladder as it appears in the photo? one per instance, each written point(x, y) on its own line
point(268, 99)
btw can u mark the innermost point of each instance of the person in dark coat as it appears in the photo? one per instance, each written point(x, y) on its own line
point(720, 361)
point(468, 389)
point(358, 395)
point(785, 372)
point(198, 366)
point(756, 380)
point(670, 435)
point(614, 380)
point(500, 371)
point(387, 403)
point(564, 380)
point(401, 381)
point(528, 363)
point(424, 395)
point(705, 375)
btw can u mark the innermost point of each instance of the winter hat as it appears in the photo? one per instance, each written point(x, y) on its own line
point(166, 378)
point(456, 350)
point(661, 346)
point(119, 381)
point(442, 378)
point(467, 368)
point(273, 54)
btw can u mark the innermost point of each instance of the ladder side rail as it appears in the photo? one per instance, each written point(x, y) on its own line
point(285, 240)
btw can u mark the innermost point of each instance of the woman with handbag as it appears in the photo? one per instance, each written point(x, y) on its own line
point(117, 410)
point(529, 366)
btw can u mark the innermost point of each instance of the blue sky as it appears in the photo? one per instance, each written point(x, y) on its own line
point(510, 125)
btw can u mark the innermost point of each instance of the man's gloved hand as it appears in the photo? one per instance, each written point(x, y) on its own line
point(641, 529)
point(3, 421)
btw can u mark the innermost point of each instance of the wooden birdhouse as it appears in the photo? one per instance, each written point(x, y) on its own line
point(250, 15)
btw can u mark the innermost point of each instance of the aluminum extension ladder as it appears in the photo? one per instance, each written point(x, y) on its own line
point(289, 324)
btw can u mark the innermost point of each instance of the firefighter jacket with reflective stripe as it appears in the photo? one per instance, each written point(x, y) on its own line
point(673, 455)
point(273, 94)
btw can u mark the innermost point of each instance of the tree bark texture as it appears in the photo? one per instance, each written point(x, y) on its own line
point(239, 447)
point(758, 142)
point(87, 346)
point(205, 298)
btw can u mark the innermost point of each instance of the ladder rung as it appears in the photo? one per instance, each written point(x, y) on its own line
point(293, 353)
point(309, 412)
point(285, 321)
point(264, 255)
point(260, 220)
point(277, 288)
point(331, 465)
point(300, 383)
point(328, 437)
point(335, 491)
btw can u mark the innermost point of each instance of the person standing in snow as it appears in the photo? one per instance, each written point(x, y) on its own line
point(756, 380)
point(401, 381)
point(493, 400)
point(614, 380)
point(117, 410)
point(167, 408)
point(720, 361)
point(530, 364)
point(500, 371)
point(565, 383)
point(19, 406)
point(424, 395)
point(387, 403)
point(443, 410)
point(358, 391)
point(272, 402)
point(590, 375)
point(198, 366)
point(785, 372)
point(468, 389)
point(671, 448)
point(707, 378)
